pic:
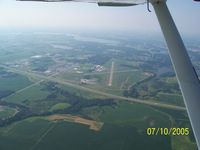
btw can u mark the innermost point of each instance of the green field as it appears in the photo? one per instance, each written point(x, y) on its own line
point(23, 135)
point(123, 129)
point(59, 106)
point(6, 112)
point(74, 136)
point(31, 94)
point(183, 143)
point(14, 82)
point(171, 98)
point(81, 93)
point(130, 114)
point(122, 80)
point(33, 97)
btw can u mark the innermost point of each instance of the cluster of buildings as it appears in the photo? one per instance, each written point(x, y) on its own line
point(98, 68)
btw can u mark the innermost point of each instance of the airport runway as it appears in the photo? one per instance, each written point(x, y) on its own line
point(111, 74)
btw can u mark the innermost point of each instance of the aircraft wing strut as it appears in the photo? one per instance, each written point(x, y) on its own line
point(185, 72)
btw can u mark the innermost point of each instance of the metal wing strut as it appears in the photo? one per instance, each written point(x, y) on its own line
point(185, 72)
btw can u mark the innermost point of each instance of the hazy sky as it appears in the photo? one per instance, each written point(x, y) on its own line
point(13, 13)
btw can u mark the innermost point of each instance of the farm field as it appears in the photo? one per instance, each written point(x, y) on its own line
point(12, 81)
point(6, 112)
point(76, 91)
point(48, 130)
point(122, 127)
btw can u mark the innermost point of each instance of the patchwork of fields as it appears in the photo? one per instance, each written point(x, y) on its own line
point(61, 96)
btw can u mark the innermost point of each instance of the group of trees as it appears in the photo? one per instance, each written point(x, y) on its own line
point(41, 64)
point(23, 112)
point(150, 87)
point(96, 59)
point(135, 90)
point(77, 103)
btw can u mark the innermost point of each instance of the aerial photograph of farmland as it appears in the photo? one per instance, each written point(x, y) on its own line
point(86, 89)
point(77, 76)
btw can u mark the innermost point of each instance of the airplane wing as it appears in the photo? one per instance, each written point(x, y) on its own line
point(117, 3)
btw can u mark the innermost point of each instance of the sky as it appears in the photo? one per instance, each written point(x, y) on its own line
point(186, 14)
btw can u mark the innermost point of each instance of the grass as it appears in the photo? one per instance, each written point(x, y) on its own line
point(124, 128)
point(14, 83)
point(59, 106)
point(41, 64)
point(134, 115)
point(171, 80)
point(7, 112)
point(12, 55)
point(72, 76)
point(38, 134)
point(171, 98)
point(182, 143)
point(121, 81)
point(127, 78)
point(81, 93)
point(32, 94)
point(23, 135)
point(75, 137)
